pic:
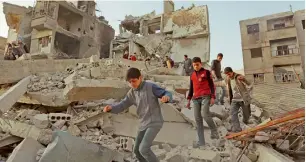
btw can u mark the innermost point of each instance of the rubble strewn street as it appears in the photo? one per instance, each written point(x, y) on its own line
point(53, 99)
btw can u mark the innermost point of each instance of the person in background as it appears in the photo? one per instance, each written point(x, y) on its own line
point(126, 55)
point(133, 57)
point(187, 66)
point(144, 95)
point(202, 93)
point(216, 73)
point(169, 62)
point(238, 89)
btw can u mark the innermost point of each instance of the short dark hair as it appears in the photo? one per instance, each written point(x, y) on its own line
point(196, 59)
point(132, 73)
point(228, 70)
point(185, 56)
point(220, 55)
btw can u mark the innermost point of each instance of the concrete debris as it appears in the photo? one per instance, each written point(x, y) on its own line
point(54, 105)
point(25, 151)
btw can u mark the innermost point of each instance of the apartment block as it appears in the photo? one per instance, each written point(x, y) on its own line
point(60, 28)
point(272, 47)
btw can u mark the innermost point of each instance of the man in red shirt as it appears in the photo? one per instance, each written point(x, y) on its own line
point(202, 93)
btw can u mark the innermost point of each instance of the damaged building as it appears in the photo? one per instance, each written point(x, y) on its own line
point(172, 33)
point(60, 29)
point(273, 47)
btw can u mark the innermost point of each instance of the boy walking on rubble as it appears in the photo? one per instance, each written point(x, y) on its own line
point(144, 96)
point(238, 89)
point(202, 93)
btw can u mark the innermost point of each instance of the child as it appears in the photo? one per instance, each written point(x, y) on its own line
point(144, 96)
point(202, 92)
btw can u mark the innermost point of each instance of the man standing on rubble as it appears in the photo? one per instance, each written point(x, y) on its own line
point(216, 73)
point(144, 95)
point(202, 93)
point(187, 65)
point(238, 89)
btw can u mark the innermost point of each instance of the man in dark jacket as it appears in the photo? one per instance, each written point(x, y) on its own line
point(202, 93)
point(238, 89)
point(187, 66)
point(216, 73)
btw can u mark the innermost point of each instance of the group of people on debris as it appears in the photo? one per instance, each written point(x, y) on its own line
point(15, 50)
point(144, 95)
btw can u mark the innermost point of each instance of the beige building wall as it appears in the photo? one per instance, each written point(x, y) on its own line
point(270, 45)
point(299, 19)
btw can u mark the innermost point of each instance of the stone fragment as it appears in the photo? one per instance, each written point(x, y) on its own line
point(26, 151)
point(160, 153)
point(262, 136)
point(66, 148)
point(166, 147)
point(252, 155)
point(205, 155)
point(269, 154)
point(282, 144)
point(74, 130)
point(95, 72)
point(94, 58)
point(41, 121)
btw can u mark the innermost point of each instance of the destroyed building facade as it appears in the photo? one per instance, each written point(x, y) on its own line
point(272, 47)
point(172, 33)
point(54, 27)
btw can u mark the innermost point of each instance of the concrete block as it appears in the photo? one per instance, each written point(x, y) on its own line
point(127, 144)
point(10, 97)
point(65, 148)
point(54, 117)
point(160, 153)
point(25, 151)
point(41, 121)
point(71, 77)
point(85, 73)
point(207, 155)
point(176, 158)
point(89, 90)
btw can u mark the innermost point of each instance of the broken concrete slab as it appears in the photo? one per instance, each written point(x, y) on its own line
point(8, 140)
point(25, 130)
point(126, 125)
point(66, 147)
point(25, 151)
point(163, 78)
point(267, 154)
point(29, 67)
point(10, 97)
point(90, 90)
point(169, 112)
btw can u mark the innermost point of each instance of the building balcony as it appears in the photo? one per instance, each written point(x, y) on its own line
point(288, 32)
point(285, 52)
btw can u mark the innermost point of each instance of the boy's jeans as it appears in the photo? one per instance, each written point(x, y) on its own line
point(246, 111)
point(220, 97)
point(201, 110)
point(143, 143)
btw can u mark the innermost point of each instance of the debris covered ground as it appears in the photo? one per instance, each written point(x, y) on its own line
point(71, 121)
point(51, 105)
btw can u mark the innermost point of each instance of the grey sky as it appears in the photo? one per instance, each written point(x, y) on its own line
point(224, 19)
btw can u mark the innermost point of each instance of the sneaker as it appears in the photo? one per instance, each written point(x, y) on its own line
point(214, 135)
